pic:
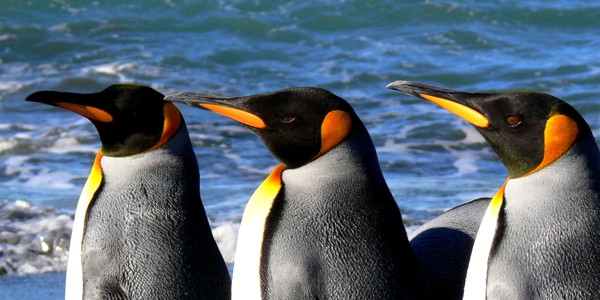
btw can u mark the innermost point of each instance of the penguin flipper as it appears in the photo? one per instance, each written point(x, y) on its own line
point(443, 247)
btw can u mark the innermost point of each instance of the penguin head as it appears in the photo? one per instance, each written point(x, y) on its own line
point(297, 125)
point(130, 119)
point(527, 130)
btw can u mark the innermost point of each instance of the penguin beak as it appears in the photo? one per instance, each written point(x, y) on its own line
point(230, 107)
point(456, 102)
point(69, 101)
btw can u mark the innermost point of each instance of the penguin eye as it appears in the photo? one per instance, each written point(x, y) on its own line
point(512, 121)
point(288, 119)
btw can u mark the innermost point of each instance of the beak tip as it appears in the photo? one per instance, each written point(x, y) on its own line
point(396, 84)
point(173, 97)
point(181, 97)
point(406, 87)
point(38, 96)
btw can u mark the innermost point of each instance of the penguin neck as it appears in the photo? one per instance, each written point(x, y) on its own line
point(120, 140)
point(355, 154)
point(570, 183)
point(345, 193)
point(178, 144)
point(576, 171)
point(555, 210)
point(352, 163)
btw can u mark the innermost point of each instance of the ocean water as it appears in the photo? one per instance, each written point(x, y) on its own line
point(431, 159)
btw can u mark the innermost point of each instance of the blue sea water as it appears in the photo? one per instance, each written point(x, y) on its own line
point(431, 159)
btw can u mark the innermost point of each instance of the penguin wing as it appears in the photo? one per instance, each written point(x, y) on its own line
point(443, 247)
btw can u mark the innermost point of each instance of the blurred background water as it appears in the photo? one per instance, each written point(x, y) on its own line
point(431, 159)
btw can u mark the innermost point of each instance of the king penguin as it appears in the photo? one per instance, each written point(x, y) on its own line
point(323, 225)
point(140, 229)
point(539, 235)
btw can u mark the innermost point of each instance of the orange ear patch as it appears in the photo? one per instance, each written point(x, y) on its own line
point(87, 111)
point(559, 136)
point(235, 114)
point(173, 120)
point(334, 129)
point(468, 114)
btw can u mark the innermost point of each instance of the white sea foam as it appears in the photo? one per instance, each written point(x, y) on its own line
point(466, 162)
point(8, 145)
point(28, 175)
point(15, 165)
point(390, 146)
point(113, 69)
point(410, 229)
point(11, 86)
point(33, 239)
point(62, 27)
point(51, 179)
point(17, 126)
point(596, 134)
point(472, 136)
point(250, 170)
point(5, 37)
point(70, 145)
point(226, 238)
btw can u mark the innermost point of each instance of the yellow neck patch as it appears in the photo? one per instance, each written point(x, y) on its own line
point(476, 281)
point(74, 284)
point(246, 273)
point(335, 128)
point(559, 136)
